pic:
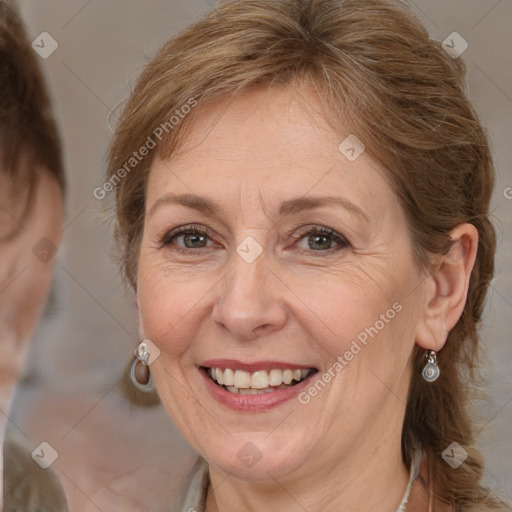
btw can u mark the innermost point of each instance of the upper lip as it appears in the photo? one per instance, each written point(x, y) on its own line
point(253, 366)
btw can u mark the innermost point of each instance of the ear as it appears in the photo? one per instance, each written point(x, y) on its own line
point(447, 289)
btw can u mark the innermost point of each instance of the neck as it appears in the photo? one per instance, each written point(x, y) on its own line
point(373, 478)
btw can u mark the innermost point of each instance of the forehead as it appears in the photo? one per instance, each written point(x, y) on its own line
point(261, 126)
point(266, 144)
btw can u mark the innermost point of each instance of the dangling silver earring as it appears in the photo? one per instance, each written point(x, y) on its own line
point(139, 370)
point(431, 370)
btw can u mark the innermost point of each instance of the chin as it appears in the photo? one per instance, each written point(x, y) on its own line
point(255, 456)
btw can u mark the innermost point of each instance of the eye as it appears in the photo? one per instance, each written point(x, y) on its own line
point(191, 238)
point(321, 239)
point(318, 239)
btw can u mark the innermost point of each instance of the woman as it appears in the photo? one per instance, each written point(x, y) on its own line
point(302, 193)
point(31, 187)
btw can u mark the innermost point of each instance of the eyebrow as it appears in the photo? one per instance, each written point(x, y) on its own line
point(207, 206)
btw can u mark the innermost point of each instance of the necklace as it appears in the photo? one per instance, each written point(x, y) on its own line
point(415, 469)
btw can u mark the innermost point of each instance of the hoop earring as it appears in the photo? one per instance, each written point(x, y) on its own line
point(139, 370)
point(431, 371)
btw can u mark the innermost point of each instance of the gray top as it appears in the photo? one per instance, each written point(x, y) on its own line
point(192, 497)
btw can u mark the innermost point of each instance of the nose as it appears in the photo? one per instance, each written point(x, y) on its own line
point(250, 304)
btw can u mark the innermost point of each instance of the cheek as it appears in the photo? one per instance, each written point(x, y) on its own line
point(167, 308)
point(338, 306)
point(364, 319)
point(26, 287)
point(27, 261)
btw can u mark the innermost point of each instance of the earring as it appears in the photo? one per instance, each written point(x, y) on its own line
point(431, 371)
point(139, 370)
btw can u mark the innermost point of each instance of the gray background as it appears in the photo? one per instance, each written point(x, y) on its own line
point(81, 348)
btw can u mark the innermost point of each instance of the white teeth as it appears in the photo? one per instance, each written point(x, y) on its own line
point(229, 377)
point(275, 377)
point(242, 379)
point(261, 381)
point(248, 391)
point(251, 391)
point(287, 376)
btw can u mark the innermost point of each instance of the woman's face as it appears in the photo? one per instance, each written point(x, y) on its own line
point(301, 266)
point(28, 241)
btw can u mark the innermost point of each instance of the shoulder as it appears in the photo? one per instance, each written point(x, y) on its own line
point(27, 486)
point(195, 490)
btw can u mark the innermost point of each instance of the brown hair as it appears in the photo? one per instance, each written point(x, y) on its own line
point(28, 132)
point(382, 77)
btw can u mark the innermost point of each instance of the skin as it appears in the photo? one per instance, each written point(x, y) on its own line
point(24, 278)
point(295, 303)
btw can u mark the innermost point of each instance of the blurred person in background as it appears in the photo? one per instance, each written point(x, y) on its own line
point(31, 213)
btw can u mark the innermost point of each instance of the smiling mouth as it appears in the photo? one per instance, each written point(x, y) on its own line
point(260, 382)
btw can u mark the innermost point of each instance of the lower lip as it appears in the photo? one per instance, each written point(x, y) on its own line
point(253, 403)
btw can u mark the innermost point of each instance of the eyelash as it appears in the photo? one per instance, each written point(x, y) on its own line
point(194, 229)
